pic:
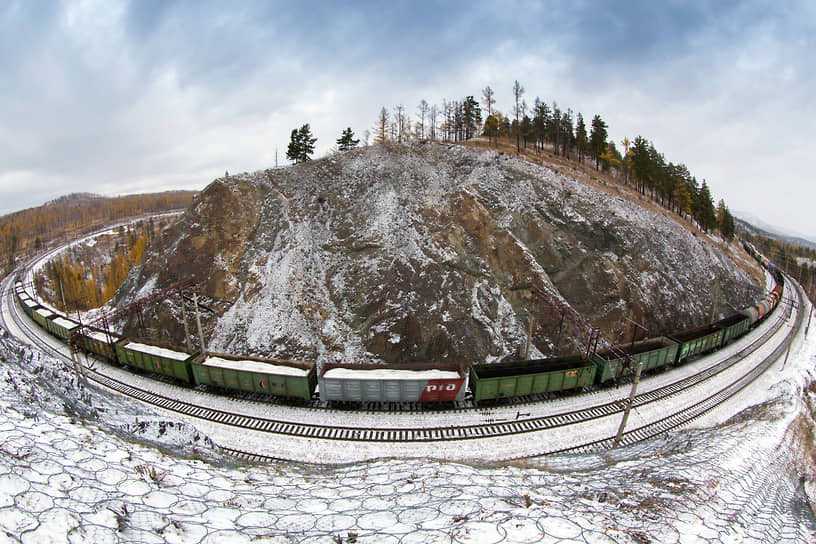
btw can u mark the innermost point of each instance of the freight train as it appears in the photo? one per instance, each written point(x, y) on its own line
point(428, 383)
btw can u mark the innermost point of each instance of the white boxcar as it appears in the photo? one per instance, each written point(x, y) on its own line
point(395, 383)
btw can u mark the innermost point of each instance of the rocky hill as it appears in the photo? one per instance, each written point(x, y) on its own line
point(427, 253)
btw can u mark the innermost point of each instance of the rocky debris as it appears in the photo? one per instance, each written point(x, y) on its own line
point(428, 253)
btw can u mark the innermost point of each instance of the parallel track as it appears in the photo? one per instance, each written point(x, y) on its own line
point(465, 432)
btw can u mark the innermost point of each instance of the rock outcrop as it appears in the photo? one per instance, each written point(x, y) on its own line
point(429, 253)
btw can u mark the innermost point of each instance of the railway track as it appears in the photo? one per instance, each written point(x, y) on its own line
point(447, 433)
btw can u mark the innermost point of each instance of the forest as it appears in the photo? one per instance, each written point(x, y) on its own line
point(795, 260)
point(28, 231)
point(86, 278)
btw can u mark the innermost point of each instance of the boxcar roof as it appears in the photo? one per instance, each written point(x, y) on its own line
point(245, 365)
point(101, 336)
point(390, 374)
point(158, 351)
point(65, 323)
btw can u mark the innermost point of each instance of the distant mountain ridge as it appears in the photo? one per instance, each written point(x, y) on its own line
point(754, 225)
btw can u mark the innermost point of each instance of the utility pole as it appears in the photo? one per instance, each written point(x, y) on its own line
point(530, 326)
point(186, 327)
point(716, 301)
point(629, 402)
point(198, 322)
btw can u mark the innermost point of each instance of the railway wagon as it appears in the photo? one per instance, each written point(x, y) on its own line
point(653, 353)
point(41, 315)
point(60, 326)
point(155, 358)
point(97, 342)
point(293, 379)
point(696, 341)
point(395, 383)
point(518, 378)
point(29, 305)
point(733, 326)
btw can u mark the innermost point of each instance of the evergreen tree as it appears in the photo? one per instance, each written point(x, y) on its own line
point(491, 128)
point(640, 162)
point(581, 139)
point(471, 117)
point(346, 141)
point(725, 221)
point(301, 144)
point(704, 209)
point(597, 139)
point(541, 117)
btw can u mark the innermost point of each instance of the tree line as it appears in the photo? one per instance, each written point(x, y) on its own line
point(71, 284)
point(793, 259)
point(540, 128)
point(34, 228)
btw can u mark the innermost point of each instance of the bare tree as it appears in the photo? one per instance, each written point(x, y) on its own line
point(381, 129)
point(422, 109)
point(434, 115)
point(518, 91)
point(488, 99)
point(400, 123)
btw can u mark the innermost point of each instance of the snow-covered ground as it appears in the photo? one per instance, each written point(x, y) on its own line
point(78, 464)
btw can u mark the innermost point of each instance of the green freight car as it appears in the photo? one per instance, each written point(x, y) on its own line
point(29, 305)
point(293, 379)
point(734, 326)
point(155, 358)
point(515, 379)
point(60, 326)
point(41, 316)
point(97, 342)
point(697, 341)
point(622, 360)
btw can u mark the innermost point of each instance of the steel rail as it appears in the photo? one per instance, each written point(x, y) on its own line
point(428, 434)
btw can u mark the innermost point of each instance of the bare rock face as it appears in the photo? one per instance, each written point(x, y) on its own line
point(429, 253)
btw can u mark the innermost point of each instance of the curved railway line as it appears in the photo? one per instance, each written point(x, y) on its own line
point(470, 431)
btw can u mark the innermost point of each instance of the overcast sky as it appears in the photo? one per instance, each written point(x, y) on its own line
point(121, 97)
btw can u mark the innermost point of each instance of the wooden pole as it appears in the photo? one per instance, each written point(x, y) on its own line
point(186, 327)
point(558, 336)
point(198, 322)
point(629, 402)
point(530, 327)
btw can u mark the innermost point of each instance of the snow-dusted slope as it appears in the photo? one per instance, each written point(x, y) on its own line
point(427, 253)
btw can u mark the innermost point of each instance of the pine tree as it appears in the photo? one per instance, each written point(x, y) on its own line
point(346, 141)
point(581, 139)
point(597, 139)
point(491, 128)
point(471, 117)
point(301, 144)
point(704, 209)
point(725, 221)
